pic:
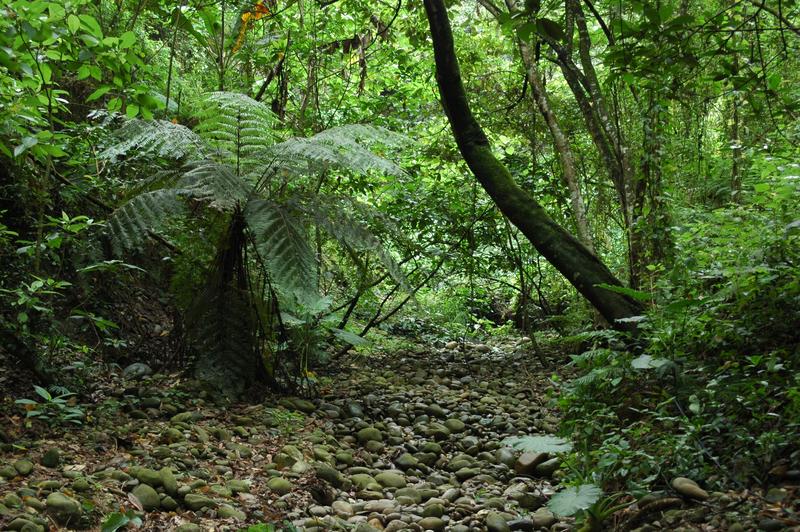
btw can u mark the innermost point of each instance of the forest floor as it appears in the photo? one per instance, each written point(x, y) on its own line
point(412, 440)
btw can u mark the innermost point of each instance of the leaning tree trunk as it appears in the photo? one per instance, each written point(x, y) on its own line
point(579, 265)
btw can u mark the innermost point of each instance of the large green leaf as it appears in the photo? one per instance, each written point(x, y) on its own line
point(571, 500)
point(539, 443)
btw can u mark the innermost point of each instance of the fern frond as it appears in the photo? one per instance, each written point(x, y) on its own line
point(213, 183)
point(238, 127)
point(128, 226)
point(153, 139)
point(281, 242)
point(345, 148)
point(338, 222)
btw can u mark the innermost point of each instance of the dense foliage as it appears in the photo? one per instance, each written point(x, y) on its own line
point(246, 191)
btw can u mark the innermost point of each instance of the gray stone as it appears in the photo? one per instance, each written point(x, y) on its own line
point(147, 496)
point(64, 510)
point(496, 523)
point(227, 511)
point(23, 467)
point(137, 370)
point(527, 462)
point(432, 523)
point(195, 502)
point(547, 468)
point(51, 457)
point(369, 434)
point(543, 518)
point(388, 479)
point(689, 488)
point(148, 476)
point(343, 509)
point(279, 485)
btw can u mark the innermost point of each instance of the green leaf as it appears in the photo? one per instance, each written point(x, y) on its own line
point(26, 144)
point(99, 93)
point(127, 39)
point(73, 23)
point(42, 392)
point(573, 499)
point(774, 81)
point(539, 443)
point(761, 187)
point(91, 24)
point(648, 362)
point(114, 522)
point(347, 336)
point(132, 110)
point(525, 31)
point(638, 295)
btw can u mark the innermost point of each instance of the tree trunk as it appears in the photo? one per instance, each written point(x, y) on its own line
point(579, 265)
point(562, 147)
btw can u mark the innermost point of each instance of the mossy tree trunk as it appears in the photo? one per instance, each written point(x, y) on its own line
point(565, 252)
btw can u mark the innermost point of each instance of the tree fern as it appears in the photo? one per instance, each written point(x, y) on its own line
point(344, 148)
point(129, 226)
point(238, 127)
point(214, 184)
point(339, 223)
point(281, 241)
point(153, 139)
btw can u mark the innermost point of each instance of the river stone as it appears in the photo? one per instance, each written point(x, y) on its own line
point(409, 493)
point(388, 479)
point(433, 510)
point(344, 457)
point(168, 480)
point(406, 461)
point(195, 502)
point(137, 370)
point(8, 471)
point(527, 462)
point(466, 473)
point(51, 457)
point(343, 509)
point(432, 523)
point(279, 485)
point(329, 474)
point(81, 484)
point(689, 488)
point(172, 435)
point(147, 496)
point(150, 477)
point(496, 523)
point(23, 467)
point(188, 527)
point(239, 486)
point(226, 511)
point(379, 506)
point(547, 468)
point(455, 425)
point(368, 434)
point(374, 446)
point(12, 500)
point(543, 518)
point(63, 509)
point(24, 525)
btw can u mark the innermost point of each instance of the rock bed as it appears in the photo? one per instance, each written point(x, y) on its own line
point(412, 441)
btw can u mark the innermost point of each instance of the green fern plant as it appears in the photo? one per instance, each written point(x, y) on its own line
point(259, 315)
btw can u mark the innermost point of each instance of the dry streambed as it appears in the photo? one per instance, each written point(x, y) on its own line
point(411, 441)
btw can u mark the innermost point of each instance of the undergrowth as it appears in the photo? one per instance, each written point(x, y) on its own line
point(713, 390)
